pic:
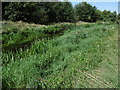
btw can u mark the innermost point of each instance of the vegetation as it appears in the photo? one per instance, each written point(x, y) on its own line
point(86, 12)
point(53, 12)
point(57, 62)
point(56, 45)
point(43, 13)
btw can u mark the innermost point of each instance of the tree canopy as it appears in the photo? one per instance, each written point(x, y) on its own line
point(52, 12)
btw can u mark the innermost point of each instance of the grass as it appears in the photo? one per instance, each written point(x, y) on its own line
point(15, 36)
point(81, 57)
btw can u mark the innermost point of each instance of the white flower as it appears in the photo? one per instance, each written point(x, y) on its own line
point(97, 45)
point(112, 27)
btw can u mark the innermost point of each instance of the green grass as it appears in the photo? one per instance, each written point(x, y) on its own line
point(69, 60)
point(15, 36)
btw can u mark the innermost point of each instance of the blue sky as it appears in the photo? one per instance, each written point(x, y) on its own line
point(112, 6)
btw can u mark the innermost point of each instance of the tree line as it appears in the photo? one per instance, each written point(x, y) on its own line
point(53, 12)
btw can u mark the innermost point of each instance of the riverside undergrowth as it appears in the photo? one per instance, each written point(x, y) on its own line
point(54, 63)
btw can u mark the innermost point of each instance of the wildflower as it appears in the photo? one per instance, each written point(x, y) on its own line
point(97, 45)
point(112, 27)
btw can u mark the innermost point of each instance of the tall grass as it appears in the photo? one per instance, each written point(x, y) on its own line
point(55, 63)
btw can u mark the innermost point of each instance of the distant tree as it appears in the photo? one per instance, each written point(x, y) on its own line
point(4, 15)
point(86, 12)
point(100, 15)
point(113, 16)
point(27, 11)
point(95, 14)
point(106, 15)
point(58, 11)
point(19, 11)
point(64, 12)
point(39, 16)
point(52, 12)
point(49, 8)
point(109, 16)
point(118, 16)
point(68, 15)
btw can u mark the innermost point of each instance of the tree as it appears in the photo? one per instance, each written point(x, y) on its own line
point(39, 16)
point(53, 12)
point(58, 11)
point(42, 12)
point(19, 11)
point(86, 12)
point(100, 15)
point(64, 12)
point(119, 17)
point(113, 16)
point(109, 16)
point(68, 15)
point(4, 16)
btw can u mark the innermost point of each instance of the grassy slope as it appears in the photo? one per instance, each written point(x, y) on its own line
point(17, 35)
point(106, 75)
point(85, 56)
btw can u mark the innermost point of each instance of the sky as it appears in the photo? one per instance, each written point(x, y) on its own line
point(112, 6)
point(119, 7)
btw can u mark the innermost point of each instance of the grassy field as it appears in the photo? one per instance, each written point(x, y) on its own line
point(60, 56)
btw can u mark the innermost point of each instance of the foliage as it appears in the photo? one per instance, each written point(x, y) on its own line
point(86, 12)
point(19, 10)
point(14, 36)
point(109, 16)
point(43, 13)
point(56, 62)
point(52, 12)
